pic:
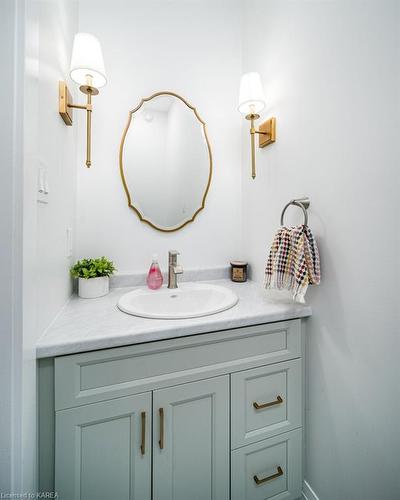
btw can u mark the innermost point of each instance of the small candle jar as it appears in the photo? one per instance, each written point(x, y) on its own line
point(238, 271)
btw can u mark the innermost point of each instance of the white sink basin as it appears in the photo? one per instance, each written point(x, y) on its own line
point(190, 300)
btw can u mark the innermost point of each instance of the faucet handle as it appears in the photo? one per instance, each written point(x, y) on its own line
point(178, 270)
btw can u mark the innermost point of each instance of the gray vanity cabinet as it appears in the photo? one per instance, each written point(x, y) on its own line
point(216, 416)
point(98, 450)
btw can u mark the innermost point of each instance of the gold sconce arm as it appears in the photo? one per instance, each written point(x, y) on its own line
point(267, 134)
point(253, 147)
point(66, 106)
point(88, 130)
point(77, 106)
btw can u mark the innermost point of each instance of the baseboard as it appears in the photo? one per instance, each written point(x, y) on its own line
point(308, 492)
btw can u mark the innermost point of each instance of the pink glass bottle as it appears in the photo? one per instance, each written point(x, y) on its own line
point(154, 277)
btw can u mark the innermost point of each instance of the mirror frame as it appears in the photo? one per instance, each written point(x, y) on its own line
point(121, 166)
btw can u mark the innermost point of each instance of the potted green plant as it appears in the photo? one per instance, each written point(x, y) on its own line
point(93, 277)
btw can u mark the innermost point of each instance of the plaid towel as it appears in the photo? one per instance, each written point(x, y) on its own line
point(293, 261)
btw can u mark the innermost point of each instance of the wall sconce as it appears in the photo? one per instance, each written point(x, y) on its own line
point(87, 70)
point(251, 103)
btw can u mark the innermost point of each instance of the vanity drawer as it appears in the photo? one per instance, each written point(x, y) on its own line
point(269, 469)
point(265, 401)
point(100, 375)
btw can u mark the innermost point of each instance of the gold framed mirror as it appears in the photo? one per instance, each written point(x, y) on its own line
point(165, 161)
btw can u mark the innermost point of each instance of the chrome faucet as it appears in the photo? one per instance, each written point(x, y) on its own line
point(173, 269)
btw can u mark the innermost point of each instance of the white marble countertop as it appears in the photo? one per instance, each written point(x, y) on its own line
point(90, 324)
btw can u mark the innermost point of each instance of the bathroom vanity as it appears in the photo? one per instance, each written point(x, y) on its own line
point(208, 408)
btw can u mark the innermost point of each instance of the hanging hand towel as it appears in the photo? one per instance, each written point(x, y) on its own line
point(293, 261)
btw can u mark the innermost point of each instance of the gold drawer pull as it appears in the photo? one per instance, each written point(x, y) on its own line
point(260, 406)
point(143, 442)
point(269, 478)
point(161, 441)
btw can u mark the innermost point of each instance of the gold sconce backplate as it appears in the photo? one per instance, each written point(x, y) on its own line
point(268, 133)
point(64, 98)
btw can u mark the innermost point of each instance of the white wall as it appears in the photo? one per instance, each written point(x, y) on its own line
point(11, 43)
point(58, 23)
point(192, 48)
point(331, 75)
point(49, 30)
point(27, 416)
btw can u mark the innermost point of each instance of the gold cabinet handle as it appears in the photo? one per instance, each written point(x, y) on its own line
point(268, 478)
point(143, 440)
point(260, 406)
point(161, 441)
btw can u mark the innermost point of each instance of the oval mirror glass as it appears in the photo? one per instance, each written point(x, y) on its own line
point(165, 161)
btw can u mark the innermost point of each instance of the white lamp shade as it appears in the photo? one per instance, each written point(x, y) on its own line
point(87, 59)
point(251, 95)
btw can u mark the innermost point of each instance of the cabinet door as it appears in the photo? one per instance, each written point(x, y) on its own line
point(191, 441)
point(103, 450)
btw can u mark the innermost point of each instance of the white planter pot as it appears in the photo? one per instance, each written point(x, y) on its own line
point(93, 287)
